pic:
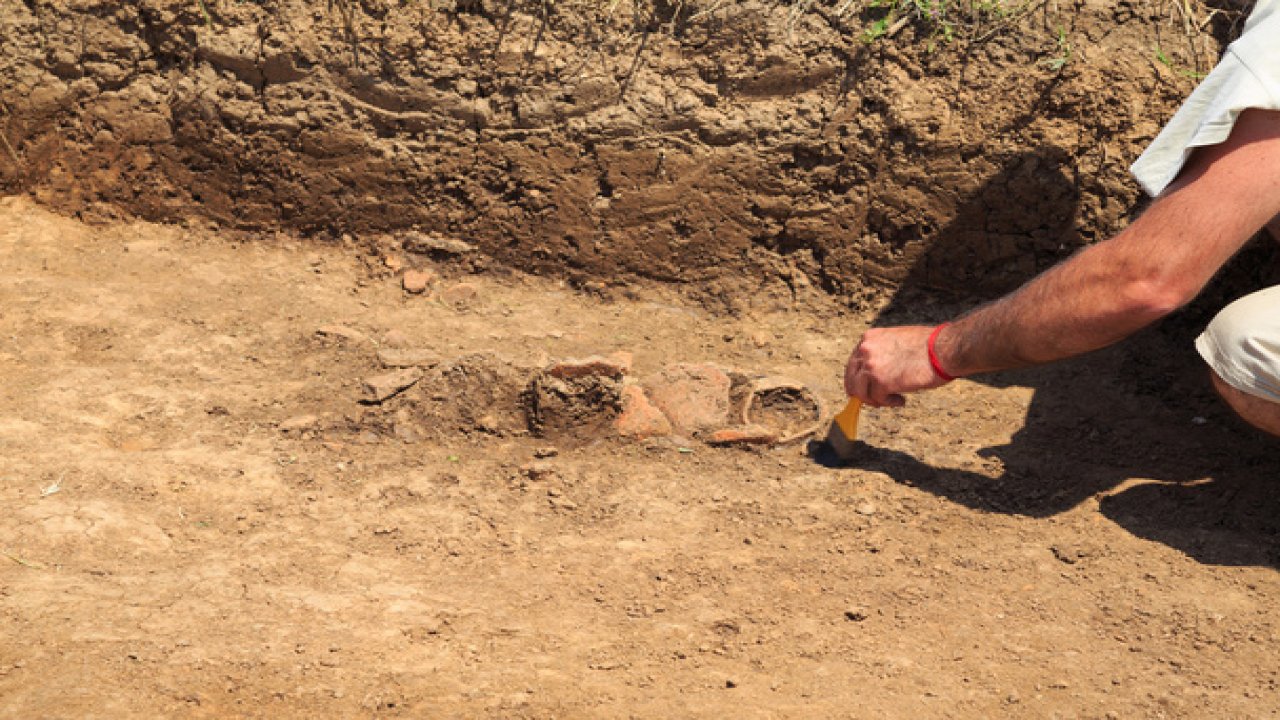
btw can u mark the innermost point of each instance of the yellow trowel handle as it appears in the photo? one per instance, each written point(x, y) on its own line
point(848, 419)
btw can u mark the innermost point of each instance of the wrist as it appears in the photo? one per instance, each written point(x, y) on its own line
point(934, 360)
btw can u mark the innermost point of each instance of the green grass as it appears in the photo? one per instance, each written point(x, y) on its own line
point(1167, 62)
point(1063, 57)
point(940, 20)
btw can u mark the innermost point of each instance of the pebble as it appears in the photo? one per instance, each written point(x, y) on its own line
point(378, 388)
point(866, 507)
point(856, 614)
point(416, 282)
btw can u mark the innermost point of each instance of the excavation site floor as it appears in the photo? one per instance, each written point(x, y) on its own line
point(263, 479)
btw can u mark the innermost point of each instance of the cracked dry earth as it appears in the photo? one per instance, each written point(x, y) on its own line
point(178, 543)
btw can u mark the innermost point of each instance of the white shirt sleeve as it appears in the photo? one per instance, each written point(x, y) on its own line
point(1248, 76)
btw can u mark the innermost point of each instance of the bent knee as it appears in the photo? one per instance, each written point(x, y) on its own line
point(1242, 344)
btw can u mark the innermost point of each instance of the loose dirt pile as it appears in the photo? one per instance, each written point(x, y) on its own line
point(760, 150)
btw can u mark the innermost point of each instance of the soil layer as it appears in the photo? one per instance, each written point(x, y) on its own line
point(760, 150)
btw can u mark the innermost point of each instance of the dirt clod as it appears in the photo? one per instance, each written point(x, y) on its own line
point(435, 245)
point(416, 282)
point(856, 614)
point(615, 365)
point(380, 387)
point(477, 392)
point(461, 295)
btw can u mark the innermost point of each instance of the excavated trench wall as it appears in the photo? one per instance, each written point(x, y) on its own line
point(748, 148)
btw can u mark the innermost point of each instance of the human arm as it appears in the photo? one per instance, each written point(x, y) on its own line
point(1099, 296)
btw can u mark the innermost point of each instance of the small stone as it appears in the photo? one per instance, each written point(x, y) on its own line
point(761, 338)
point(694, 397)
point(614, 365)
point(639, 418)
point(743, 435)
point(394, 262)
point(546, 452)
point(855, 614)
point(866, 507)
point(395, 339)
point(378, 388)
point(298, 423)
point(1068, 553)
point(341, 332)
point(435, 245)
point(397, 358)
point(1199, 420)
point(730, 683)
point(460, 294)
point(416, 282)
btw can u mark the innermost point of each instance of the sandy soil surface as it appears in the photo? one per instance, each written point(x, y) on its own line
point(180, 539)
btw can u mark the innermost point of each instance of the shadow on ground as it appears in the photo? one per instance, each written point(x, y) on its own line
point(1136, 425)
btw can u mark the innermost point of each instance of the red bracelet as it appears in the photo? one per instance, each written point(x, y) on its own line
point(933, 355)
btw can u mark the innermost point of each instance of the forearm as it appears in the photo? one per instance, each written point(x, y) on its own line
point(1226, 194)
point(1088, 302)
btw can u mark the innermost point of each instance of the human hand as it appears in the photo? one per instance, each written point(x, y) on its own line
point(889, 362)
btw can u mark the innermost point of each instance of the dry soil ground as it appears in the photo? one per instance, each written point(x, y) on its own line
point(1089, 541)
